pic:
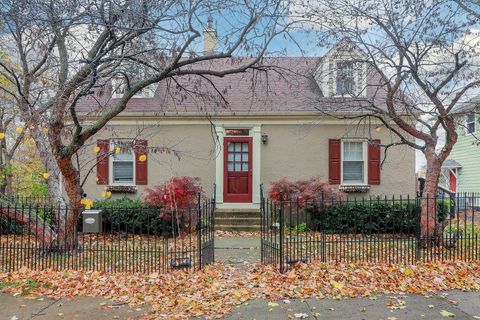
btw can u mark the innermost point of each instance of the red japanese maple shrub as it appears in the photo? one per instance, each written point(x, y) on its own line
point(176, 193)
point(304, 191)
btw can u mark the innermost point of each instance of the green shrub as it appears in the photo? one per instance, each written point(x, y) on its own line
point(10, 226)
point(137, 217)
point(373, 216)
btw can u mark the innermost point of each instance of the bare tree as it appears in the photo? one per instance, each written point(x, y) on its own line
point(64, 52)
point(470, 6)
point(421, 55)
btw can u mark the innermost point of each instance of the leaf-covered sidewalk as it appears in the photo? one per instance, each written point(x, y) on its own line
point(218, 289)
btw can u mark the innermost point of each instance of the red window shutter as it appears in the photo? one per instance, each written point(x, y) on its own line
point(141, 167)
point(102, 161)
point(334, 159)
point(374, 158)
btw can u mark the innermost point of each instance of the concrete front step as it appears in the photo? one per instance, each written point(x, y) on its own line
point(234, 213)
point(237, 227)
point(238, 219)
point(248, 221)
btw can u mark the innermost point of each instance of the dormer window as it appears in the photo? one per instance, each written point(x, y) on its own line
point(119, 83)
point(345, 78)
point(471, 123)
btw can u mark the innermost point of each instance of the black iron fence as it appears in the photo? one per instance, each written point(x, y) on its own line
point(393, 230)
point(114, 239)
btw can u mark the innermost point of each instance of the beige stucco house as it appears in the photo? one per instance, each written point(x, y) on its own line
point(256, 127)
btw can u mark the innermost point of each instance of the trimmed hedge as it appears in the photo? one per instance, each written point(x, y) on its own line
point(372, 216)
point(136, 217)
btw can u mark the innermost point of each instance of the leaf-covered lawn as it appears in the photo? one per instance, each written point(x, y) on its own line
point(214, 291)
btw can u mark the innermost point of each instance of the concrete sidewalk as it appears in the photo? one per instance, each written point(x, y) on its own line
point(455, 305)
point(20, 308)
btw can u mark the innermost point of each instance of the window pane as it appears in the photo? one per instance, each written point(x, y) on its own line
point(238, 167)
point(353, 171)
point(123, 171)
point(123, 155)
point(245, 147)
point(345, 77)
point(230, 157)
point(245, 166)
point(238, 157)
point(471, 123)
point(238, 147)
point(471, 127)
point(245, 156)
point(230, 166)
point(230, 146)
point(353, 151)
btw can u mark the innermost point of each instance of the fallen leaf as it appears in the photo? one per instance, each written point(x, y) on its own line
point(446, 313)
point(300, 315)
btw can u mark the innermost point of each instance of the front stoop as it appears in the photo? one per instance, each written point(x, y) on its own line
point(237, 219)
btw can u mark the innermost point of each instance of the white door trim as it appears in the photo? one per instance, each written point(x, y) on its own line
point(256, 134)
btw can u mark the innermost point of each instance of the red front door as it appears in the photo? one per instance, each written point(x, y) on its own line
point(237, 172)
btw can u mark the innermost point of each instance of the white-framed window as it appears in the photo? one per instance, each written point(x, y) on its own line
point(122, 160)
point(354, 162)
point(119, 82)
point(471, 123)
point(345, 78)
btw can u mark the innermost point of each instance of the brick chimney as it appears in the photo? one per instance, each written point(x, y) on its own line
point(209, 37)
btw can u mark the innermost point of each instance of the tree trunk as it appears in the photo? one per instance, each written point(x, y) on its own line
point(428, 219)
point(55, 191)
point(71, 178)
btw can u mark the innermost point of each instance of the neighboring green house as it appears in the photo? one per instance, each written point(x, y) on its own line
point(461, 172)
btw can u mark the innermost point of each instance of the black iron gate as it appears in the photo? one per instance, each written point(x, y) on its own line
point(271, 235)
point(206, 231)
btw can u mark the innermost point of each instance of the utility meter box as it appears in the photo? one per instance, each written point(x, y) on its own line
point(92, 221)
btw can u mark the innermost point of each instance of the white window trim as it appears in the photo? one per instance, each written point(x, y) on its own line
point(110, 169)
point(475, 124)
point(147, 92)
point(365, 163)
point(358, 81)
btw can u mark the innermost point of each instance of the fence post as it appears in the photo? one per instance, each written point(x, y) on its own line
point(418, 230)
point(262, 210)
point(199, 231)
point(282, 231)
point(212, 220)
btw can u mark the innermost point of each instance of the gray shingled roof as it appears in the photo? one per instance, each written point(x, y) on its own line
point(287, 87)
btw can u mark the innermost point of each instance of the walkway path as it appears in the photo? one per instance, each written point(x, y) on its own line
point(237, 250)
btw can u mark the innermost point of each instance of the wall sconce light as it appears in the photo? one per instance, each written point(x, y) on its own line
point(264, 138)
